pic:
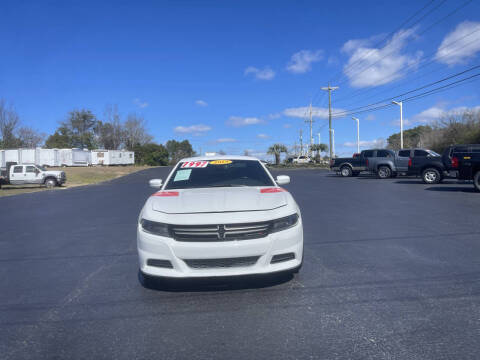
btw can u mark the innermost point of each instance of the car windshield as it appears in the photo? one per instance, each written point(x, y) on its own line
point(218, 173)
point(41, 168)
point(433, 153)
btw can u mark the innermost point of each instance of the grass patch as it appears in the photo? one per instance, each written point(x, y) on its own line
point(76, 176)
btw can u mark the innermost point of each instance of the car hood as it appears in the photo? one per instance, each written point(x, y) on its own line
point(207, 200)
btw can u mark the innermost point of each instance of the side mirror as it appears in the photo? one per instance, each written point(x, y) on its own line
point(283, 179)
point(155, 183)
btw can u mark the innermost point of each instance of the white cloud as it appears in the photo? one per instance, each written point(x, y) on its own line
point(238, 121)
point(460, 45)
point(377, 143)
point(274, 116)
point(435, 113)
point(139, 103)
point(263, 136)
point(201, 103)
point(303, 111)
point(260, 74)
point(225, 140)
point(192, 129)
point(301, 62)
point(369, 66)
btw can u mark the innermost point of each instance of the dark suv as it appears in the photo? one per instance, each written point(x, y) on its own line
point(466, 160)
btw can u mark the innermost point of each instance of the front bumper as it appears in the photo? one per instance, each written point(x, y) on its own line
point(179, 253)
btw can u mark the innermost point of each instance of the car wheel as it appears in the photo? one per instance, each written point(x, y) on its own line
point(384, 172)
point(476, 180)
point(431, 176)
point(346, 171)
point(50, 183)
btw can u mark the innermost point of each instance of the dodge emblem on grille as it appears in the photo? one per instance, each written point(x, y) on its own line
point(221, 232)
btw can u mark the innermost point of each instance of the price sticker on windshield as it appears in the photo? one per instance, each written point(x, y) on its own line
point(220, 162)
point(194, 164)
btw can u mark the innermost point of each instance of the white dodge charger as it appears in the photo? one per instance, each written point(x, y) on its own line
point(219, 216)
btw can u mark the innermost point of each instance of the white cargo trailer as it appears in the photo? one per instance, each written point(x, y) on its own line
point(112, 157)
point(27, 156)
point(12, 155)
point(48, 157)
point(2, 159)
point(74, 157)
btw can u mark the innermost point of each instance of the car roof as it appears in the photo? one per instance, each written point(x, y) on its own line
point(220, 157)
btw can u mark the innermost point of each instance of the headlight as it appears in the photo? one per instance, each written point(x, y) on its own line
point(284, 223)
point(155, 228)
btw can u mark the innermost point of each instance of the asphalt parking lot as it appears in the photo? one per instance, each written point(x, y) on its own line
point(391, 271)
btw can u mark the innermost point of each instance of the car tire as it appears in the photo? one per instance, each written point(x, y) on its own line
point(50, 183)
point(476, 180)
point(346, 171)
point(384, 172)
point(431, 176)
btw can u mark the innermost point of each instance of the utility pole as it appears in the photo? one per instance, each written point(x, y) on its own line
point(332, 136)
point(399, 103)
point(311, 128)
point(319, 138)
point(329, 89)
point(301, 142)
point(358, 133)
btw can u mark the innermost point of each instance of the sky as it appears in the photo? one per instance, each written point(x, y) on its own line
point(240, 75)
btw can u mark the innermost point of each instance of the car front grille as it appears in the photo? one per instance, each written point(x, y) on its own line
point(222, 263)
point(222, 232)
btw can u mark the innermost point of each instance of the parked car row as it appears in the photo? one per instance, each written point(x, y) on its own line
point(460, 161)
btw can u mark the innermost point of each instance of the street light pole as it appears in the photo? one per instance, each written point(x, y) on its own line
point(358, 133)
point(399, 103)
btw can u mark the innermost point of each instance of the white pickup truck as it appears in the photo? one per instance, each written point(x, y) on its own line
point(32, 174)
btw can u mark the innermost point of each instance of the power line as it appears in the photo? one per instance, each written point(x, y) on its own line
point(428, 28)
point(444, 87)
point(417, 89)
point(413, 68)
point(388, 36)
point(393, 32)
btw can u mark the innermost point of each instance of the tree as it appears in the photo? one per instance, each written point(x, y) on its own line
point(178, 150)
point(9, 121)
point(277, 150)
point(29, 137)
point(221, 152)
point(135, 132)
point(110, 132)
point(318, 148)
point(411, 138)
point(80, 125)
point(61, 139)
point(151, 154)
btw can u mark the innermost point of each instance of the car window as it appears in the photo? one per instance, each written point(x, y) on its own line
point(420, 153)
point(219, 173)
point(433, 153)
point(368, 153)
point(18, 169)
point(383, 153)
point(404, 153)
point(30, 169)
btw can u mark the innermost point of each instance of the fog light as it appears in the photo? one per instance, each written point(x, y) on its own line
point(282, 257)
